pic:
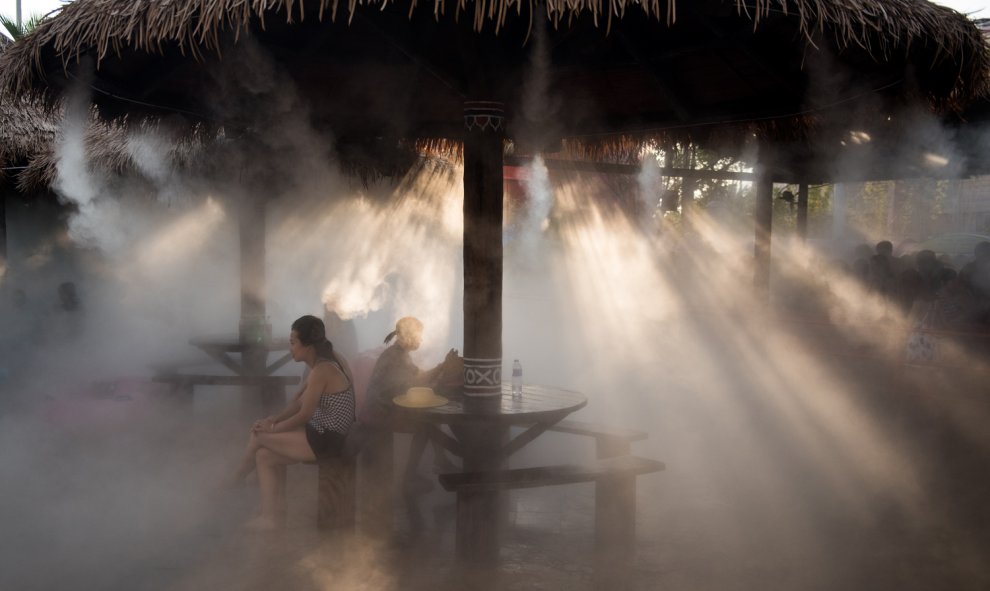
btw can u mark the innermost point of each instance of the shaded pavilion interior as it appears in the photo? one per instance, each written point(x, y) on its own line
point(788, 81)
point(709, 76)
point(714, 72)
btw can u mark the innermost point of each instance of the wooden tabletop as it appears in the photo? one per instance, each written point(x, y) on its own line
point(252, 355)
point(538, 404)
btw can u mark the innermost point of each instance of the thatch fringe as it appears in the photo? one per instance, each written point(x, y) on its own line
point(27, 126)
point(104, 27)
point(107, 149)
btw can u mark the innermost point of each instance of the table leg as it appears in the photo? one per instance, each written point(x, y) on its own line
point(181, 396)
point(411, 480)
point(481, 515)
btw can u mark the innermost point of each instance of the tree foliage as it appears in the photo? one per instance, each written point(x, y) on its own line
point(15, 31)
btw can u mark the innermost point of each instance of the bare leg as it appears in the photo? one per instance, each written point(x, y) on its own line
point(281, 502)
point(275, 452)
point(246, 465)
point(268, 483)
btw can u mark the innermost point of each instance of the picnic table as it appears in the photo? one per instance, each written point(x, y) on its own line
point(248, 362)
point(480, 436)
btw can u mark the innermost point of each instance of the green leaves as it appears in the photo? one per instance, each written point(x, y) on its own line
point(15, 31)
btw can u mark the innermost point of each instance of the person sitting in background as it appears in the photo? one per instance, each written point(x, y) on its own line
point(393, 374)
point(934, 275)
point(975, 276)
point(860, 266)
point(312, 427)
point(976, 273)
point(882, 271)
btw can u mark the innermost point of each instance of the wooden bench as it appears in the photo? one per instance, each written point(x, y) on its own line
point(615, 500)
point(182, 384)
point(609, 441)
point(336, 494)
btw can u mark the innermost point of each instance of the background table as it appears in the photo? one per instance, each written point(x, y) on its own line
point(250, 369)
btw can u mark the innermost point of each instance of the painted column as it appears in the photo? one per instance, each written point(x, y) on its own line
point(484, 122)
point(480, 521)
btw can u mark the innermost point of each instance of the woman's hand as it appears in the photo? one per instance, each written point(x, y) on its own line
point(264, 424)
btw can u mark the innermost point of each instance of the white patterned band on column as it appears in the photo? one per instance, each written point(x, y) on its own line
point(484, 115)
point(482, 377)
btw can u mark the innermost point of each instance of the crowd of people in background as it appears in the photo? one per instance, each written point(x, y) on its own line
point(959, 294)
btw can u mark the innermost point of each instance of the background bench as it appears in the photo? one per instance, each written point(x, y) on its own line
point(615, 499)
point(336, 494)
point(182, 385)
point(609, 441)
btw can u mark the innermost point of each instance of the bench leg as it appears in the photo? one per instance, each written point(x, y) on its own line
point(610, 447)
point(615, 518)
point(377, 464)
point(181, 397)
point(336, 494)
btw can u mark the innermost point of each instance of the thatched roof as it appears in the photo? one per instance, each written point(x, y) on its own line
point(661, 70)
point(27, 127)
point(105, 27)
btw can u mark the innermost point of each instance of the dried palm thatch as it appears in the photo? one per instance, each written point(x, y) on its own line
point(27, 127)
point(30, 133)
point(880, 27)
point(111, 148)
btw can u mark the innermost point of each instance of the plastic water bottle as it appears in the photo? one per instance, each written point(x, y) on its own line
point(516, 379)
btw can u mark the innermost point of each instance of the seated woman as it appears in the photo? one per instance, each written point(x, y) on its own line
point(393, 374)
point(310, 428)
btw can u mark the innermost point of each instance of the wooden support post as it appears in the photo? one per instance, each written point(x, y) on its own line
point(254, 360)
point(272, 396)
point(688, 211)
point(479, 537)
point(484, 122)
point(181, 396)
point(481, 515)
point(252, 247)
point(764, 220)
point(802, 213)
